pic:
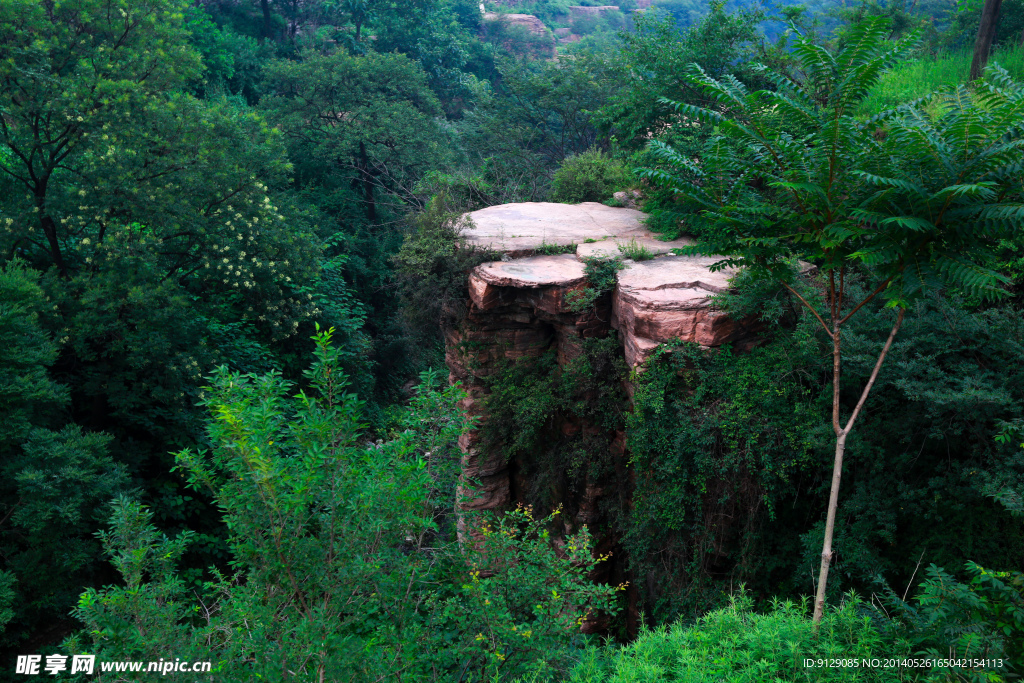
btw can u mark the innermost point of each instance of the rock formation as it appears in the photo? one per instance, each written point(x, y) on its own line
point(582, 11)
point(520, 307)
point(527, 21)
point(542, 40)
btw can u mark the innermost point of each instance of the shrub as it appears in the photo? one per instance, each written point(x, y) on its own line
point(980, 619)
point(601, 278)
point(431, 271)
point(343, 565)
point(588, 177)
point(636, 251)
point(736, 645)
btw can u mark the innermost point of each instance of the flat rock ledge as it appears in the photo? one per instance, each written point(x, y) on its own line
point(656, 300)
point(518, 230)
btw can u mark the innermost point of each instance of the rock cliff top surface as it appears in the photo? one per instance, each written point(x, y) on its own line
point(655, 300)
point(521, 229)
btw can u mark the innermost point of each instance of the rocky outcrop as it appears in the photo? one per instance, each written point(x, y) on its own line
point(541, 41)
point(527, 21)
point(582, 11)
point(520, 306)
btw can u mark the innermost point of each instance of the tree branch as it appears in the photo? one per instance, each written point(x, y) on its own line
point(874, 373)
point(811, 309)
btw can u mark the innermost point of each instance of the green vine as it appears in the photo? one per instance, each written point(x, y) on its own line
point(716, 441)
point(557, 422)
point(601, 278)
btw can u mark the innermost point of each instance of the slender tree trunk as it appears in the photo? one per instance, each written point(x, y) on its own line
point(827, 554)
point(986, 33)
point(48, 225)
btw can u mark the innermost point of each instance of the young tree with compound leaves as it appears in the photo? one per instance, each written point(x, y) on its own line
point(911, 201)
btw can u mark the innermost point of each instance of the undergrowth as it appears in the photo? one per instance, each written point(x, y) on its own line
point(636, 251)
point(532, 399)
point(914, 79)
point(601, 278)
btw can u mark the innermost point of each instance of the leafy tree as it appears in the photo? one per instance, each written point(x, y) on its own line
point(541, 113)
point(56, 479)
point(369, 119)
point(67, 72)
point(149, 204)
point(342, 550)
point(657, 52)
point(793, 172)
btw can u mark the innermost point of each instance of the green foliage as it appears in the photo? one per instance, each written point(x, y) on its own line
point(431, 267)
point(535, 604)
point(587, 177)
point(656, 53)
point(601, 280)
point(550, 249)
point(914, 79)
point(537, 118)
point(532, 399)
point(719, 441)
point(738, 645)
point(635, 251)
point(828, 188)
point(365, 121)
point(56, 479)
point(955, 377)
point(516, 40)
point(980, 619)
point(232, 62)
point(342, 564)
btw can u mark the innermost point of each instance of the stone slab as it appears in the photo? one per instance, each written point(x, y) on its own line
point(669, 298)
point(518, 229)
point(560, 270)
point(675, 272)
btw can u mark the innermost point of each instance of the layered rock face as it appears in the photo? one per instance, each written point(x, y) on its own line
point(520, 307)
point(527, 21)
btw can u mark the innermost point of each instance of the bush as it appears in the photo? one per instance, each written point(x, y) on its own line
point(736, 645)
point(344, 566)
point(588, 177)
point(980, 619)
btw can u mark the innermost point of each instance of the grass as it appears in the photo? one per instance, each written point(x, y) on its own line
point(546, 249)
point(637, 252)
point(917, 78)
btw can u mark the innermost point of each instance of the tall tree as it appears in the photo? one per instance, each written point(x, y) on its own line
point(917, 206)
point(986, 34)
point(369, 118)
point(68, 69)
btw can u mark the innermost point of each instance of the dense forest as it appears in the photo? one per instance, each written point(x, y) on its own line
point(230, 246)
